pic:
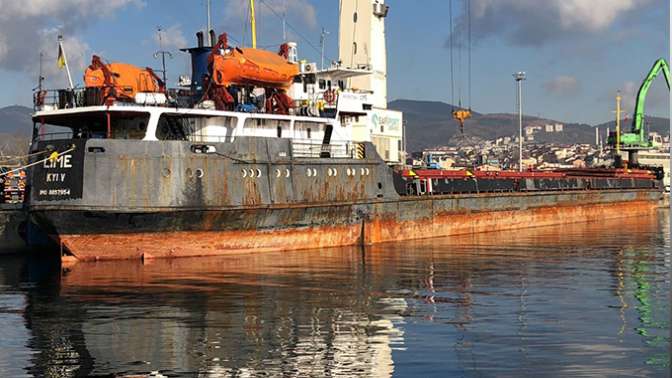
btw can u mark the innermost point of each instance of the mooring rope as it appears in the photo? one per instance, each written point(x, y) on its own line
point(54, 155)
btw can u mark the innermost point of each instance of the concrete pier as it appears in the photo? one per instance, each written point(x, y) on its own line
point(11, 218)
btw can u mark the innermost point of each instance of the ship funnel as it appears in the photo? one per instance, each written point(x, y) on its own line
point(199, 63)
point(213, 38)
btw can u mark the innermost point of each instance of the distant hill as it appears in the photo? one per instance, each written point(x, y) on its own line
point(657, 124)
point(430, 124)
point(15, 119)
point(15, 129)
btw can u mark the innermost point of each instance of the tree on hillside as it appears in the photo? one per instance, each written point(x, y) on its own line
point(12, 146)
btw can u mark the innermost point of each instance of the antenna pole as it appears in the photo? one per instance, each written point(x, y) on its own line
point(520, 76)
point(323, 40)
point(284, 22)
point(209, 23)
point(40, 79)
point(163, 53)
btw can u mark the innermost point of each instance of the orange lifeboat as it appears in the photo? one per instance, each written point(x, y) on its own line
point(121, 80)
point(247, 66)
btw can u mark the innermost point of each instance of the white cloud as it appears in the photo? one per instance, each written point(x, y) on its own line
point(28, 27)
point(562, 85)
point(172, 37)
point(533, 22)
point(593, 14)
point(629, 96)
point(13, 9)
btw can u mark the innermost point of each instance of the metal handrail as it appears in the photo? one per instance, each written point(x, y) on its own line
point(208, 138)
point(54, 136)
point(57, 99)
point(302, 148)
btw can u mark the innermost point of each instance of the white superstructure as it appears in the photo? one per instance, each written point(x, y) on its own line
point(308, 135)
point(362, 45)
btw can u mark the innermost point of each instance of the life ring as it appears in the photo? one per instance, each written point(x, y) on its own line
point(330, 96)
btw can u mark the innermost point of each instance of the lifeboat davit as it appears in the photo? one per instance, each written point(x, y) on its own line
point(248, 66)
point(121, 80)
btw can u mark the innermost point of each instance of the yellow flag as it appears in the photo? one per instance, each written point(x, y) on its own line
point(61, 57)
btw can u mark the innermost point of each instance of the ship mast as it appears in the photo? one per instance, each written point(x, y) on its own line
point(253, 25)
point(40, 78)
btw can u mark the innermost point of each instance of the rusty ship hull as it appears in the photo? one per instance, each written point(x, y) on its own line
point(138, 199)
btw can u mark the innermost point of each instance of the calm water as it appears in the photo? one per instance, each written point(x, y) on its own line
point(584, 300)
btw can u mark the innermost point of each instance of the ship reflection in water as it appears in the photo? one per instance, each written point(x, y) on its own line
point(576, 300)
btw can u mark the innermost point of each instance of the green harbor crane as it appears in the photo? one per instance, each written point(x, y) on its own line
point(636, 139)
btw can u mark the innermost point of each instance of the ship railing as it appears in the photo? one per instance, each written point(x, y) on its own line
point(304, 148)
point(209, 139)
point(54, 99)
point(41, 137)
point(57, 99)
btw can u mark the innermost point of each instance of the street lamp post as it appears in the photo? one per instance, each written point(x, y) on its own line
point(520, 76)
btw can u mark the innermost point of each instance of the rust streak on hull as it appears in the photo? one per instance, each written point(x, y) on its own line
point(378, 230)
point(204, 243)
point(382, 230)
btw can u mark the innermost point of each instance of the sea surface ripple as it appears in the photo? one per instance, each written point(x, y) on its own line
point(577, 300)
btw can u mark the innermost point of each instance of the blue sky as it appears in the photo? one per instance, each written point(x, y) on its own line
point(577, 53)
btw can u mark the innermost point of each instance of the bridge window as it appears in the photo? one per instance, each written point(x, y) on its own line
point(175, 127)
point(266, 127)
point(194, 127)
point(93, 125)
point(309, 130)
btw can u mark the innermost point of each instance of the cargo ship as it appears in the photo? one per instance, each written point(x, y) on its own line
point(259, 151)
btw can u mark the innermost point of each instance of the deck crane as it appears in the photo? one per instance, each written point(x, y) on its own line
point(637, 139)
point(460, 114)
